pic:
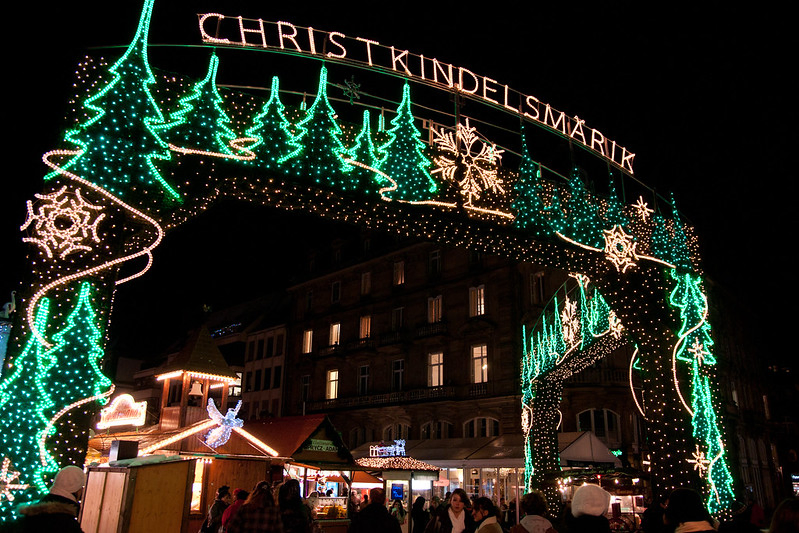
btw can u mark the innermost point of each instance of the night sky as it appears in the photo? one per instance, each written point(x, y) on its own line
point(701, 94)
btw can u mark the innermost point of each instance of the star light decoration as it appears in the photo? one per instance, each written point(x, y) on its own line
point(616, 327)
point(699, 461)
point(478, 159)
point(220, 435)
point(698, 351)
point(7, 478)
point(63, 223)
point(571, 322)
point(642, 208)
point(620, 248)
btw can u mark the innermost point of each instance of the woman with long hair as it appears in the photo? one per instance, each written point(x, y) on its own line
point(453, 518)
point(259, 514)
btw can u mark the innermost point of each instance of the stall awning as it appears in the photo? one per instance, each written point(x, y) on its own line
point(583, 447)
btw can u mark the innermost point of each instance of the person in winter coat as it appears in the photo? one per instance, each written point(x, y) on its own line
point(58, 511)
point(294, 513)
point(398, 511)
point(375, 517)
point(484, 513)
point(213, 522)
point(589, 505)
point(687, 514)
point(453, 517)
point(419, 515)
point(534, 505)
point(239, 497)
point(259, 514)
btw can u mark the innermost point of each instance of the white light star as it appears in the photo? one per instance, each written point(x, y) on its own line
point(699, 461)
point(63, 223)
point(7, 478)
point(698, 350)
point(620, 249)
point(642, 208)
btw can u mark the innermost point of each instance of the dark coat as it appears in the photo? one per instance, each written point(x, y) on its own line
point(52, 513)
point(374, 518)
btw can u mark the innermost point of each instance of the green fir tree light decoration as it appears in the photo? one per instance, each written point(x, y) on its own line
point(527, 204)
point(681, 255)
point(363, 178)
point(584, 224)
point(22, 391)
point(695, 347)
point(320, 139)
point(75, 375)
point(118, 144)
point(403, 156)
point(275, 146)
point(201, 122)
point(615, 214)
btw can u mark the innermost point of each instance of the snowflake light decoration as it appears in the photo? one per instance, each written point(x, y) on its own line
point(477, 159)
point(616, 327)
point(698, 351)
point(221, 434)
point(7, 478)
point(571, 322)
point(642, 208)
point(63, 223)
point(620, 248)
point(699, 461)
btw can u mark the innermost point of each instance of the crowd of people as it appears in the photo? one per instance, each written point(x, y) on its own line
point(280, 508)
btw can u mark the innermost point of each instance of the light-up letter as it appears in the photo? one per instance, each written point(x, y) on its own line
point(244, 31)
point(288, 37)
point(401, 59)
point(461, 71)
point(343, 53)
point(207, 38)
point(368, 48)
point(532, 103)
point(549, 119)
point(487, 89)
point(577, 130)
point(446, 75)
point(597, 140)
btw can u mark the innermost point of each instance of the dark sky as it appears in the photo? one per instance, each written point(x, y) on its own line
point(701, 93)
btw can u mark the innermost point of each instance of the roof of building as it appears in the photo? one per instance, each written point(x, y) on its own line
point(199, 354)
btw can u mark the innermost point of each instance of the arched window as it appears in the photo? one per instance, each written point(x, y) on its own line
point(436, 429)
point(481, 427)
point(604, 423)
point(357, 437)
point(396, 432)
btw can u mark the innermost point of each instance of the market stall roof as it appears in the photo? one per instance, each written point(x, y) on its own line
point(396, 463)
point(584, 447)
point(504, 451)
point(199, 354)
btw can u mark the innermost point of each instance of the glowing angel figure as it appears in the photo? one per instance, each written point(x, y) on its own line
point(7, 478)
point(478, 159)
point(220, 435)
point(63, 222)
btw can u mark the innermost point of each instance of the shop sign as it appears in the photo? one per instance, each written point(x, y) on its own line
point(123, 411)
point(320, 445)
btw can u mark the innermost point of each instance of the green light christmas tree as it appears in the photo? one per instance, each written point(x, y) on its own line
point(584, 224)
point(200, 122)
point(528, 205)
point(363, 151)
point(403, 156)
point(22, 391)
point(275, 146)
point(119, 145)
point(320, 139)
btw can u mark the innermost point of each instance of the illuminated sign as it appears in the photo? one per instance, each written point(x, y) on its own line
point(335, 46)
point(392, 450)
point(123, 411)
point(320, 445)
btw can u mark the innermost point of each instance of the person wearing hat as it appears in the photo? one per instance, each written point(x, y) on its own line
point(239, 497)
point(213, 522)
point(58, 511)
point(589, 505)
point(686, 512)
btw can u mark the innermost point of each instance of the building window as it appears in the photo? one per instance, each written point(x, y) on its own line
point(396, 432)
point(604, 423)
point(434, 262)
point(257, 380)
point(305, 387)
point(397, 374)
point(436, 430)
point(270, 346)
point(537, 288)
point(335, 292)
point(397, 318)
point(309, 300)
point(247, 382)
point(366, 283)
point(399, 272)
point(331, 391)
point(335, 334)
point(481, 427)
point(307, 341)
point(279, 344)
point(357, 437)
point(267, 378)
point(250, 350)
point(435, 369)
point(278, 377)
point(477, 306)
point(434, 309)
point(479, 363)
point(363, 380)
point(259, 353)
point(365, 327)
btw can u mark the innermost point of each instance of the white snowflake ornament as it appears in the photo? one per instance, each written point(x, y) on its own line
point(620, 248)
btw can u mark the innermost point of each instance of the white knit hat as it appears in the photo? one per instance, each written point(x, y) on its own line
point(69, 480)
point(591, 500)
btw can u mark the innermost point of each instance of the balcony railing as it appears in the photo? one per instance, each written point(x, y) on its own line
point(428, 330)
point(384, 398)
